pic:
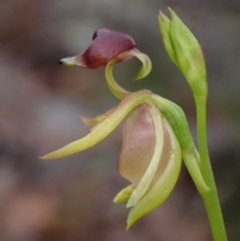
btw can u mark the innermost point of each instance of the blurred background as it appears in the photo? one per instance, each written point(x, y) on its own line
point(41, 103)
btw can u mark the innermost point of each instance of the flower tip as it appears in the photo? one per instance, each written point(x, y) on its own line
point(140, 75)
point(161, 15)
point(44, 158)
point(130, 204)
point(54, 155)
point(115, 200)
point(49, 156)
point(119, 200)
point(124, 195)
point(172, 13)
point(74, 61)
point(128, 227)
point(87, 121)
point(94, 121)
point(68, 61)
point(130, 222)
point(146, 66)
point(170, 10)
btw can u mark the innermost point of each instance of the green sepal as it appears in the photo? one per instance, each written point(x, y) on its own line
point(194, 169)
point(177, 119)
point(104, 128)
point(184, 43)
point(164, 28)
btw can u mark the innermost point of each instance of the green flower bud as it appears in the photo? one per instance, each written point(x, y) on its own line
point(185, 52)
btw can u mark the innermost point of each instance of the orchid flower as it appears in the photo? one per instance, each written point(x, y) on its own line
point(109, 47)
point(156, 136)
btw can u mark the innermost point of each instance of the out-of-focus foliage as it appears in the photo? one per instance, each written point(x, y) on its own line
point(40, 105)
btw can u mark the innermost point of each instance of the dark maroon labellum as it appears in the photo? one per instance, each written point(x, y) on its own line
point(106, 45)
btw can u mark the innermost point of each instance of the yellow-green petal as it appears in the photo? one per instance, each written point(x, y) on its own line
point(114, 87)
point(97, 119)
point(104, 128)
point(146, 64)
point(124, 194)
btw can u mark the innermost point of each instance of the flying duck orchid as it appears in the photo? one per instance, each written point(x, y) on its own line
point(156, 136)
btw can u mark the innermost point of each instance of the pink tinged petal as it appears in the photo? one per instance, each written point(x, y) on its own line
point(148, 176)
point(142, 149)
point(104, 128)
point(137, 145)
point(106, 45)
point(164, 180)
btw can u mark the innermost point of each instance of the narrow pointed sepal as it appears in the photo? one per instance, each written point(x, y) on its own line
point(97, 119)
point(179, 124)
point(104, 128)
point(178, 121)
point(164, 28)
point(194, 169)
point(93, 121)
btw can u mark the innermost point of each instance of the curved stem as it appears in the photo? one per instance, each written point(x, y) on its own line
point(113, 86)
point(210, 198)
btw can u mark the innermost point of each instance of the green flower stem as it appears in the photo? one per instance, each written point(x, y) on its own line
point(210, 198)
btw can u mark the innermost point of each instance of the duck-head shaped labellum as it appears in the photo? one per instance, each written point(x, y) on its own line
point(106, 45)
point(107, 48)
